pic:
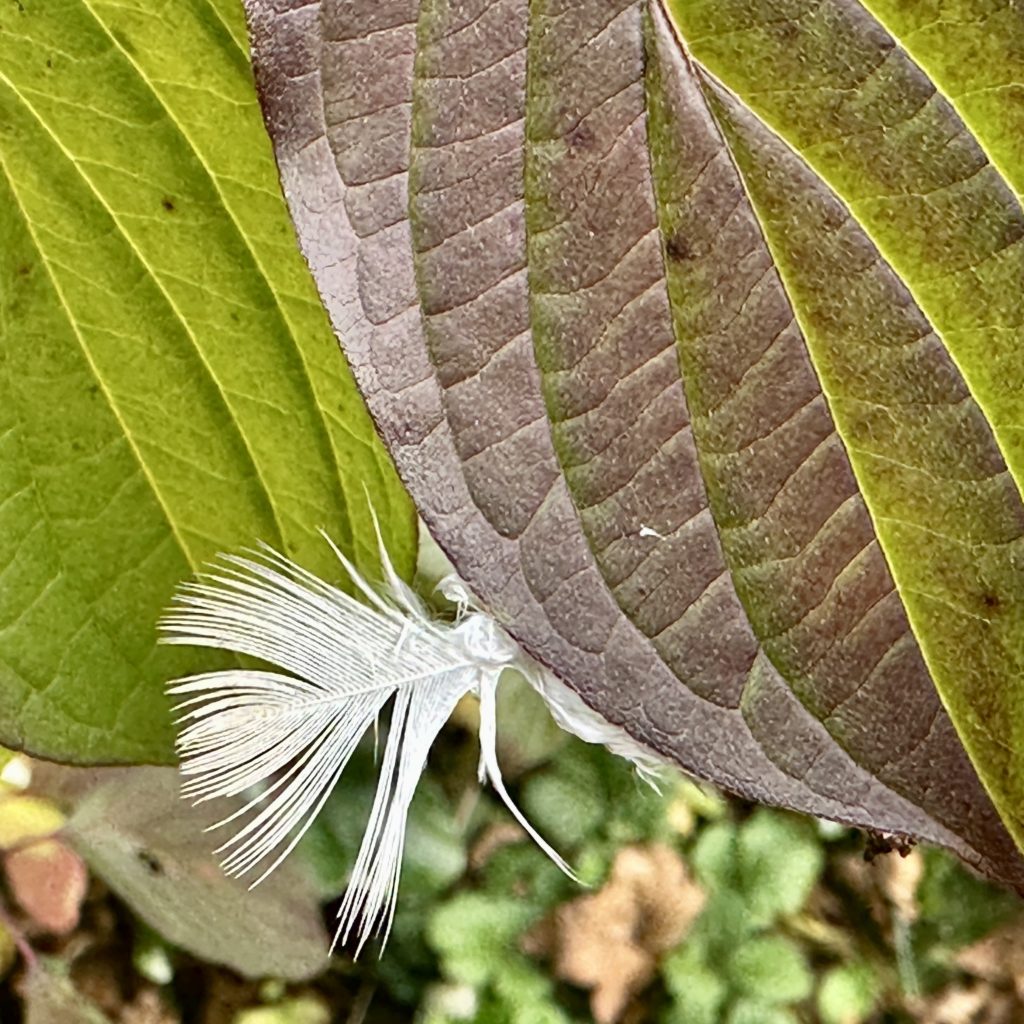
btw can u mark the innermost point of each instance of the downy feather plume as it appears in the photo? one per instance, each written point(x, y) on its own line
point(283, 739)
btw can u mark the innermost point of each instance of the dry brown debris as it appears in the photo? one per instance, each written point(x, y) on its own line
point(975, 1004)
point(610, 941)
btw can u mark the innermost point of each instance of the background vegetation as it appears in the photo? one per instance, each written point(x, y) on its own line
point(700, 909)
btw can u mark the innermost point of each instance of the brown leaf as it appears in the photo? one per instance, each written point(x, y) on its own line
point(561, 306)
point(49, 881)
point(610, 941)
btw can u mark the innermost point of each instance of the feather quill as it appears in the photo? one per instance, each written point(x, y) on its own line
point(283, 739)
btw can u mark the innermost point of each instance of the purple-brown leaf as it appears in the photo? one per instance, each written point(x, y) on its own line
point(548, 263)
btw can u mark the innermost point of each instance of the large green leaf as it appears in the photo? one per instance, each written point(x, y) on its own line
point(169, 385)
point(692, 330)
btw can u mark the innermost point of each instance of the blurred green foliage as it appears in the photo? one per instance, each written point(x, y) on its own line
point(788, 924)
point(787, 933)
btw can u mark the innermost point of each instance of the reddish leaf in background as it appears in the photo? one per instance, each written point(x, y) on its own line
point(49, 881)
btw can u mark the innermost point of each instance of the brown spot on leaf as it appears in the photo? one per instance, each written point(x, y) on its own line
point(677, 248)
point(152, 864)
point(581, 137)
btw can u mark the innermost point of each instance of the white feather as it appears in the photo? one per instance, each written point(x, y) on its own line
point(289, 735)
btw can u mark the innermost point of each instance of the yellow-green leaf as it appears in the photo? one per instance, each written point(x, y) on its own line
point(169, 384)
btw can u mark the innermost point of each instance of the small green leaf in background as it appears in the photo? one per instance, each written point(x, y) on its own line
point(568, 803)
point(169, 384)
point(751, 1012)
point(847, 994)
point(697, 991)
point(759, 873)
point(778, 861)
point(475, 934)
point(714, 856)
point(523, 995)
point(770, 970)
point(435, 847)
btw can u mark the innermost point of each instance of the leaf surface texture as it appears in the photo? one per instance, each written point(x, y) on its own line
point(687, 326)
point(169, 385)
